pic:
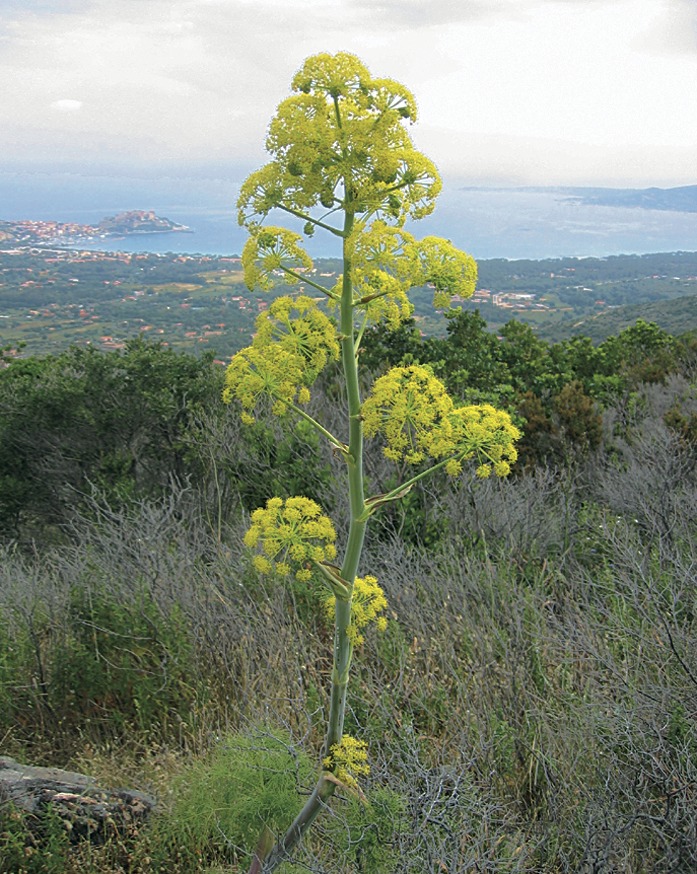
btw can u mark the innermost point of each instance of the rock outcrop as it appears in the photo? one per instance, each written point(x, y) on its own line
point(87, 811)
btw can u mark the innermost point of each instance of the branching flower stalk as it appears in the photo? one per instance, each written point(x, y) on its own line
point(340, 149)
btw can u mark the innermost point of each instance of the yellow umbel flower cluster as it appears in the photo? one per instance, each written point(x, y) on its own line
point(266, 250)
point(384, 266)
point(386, 262)
point(412, 410)
point(299, 326)
point(290, 535)
point(341, 141)
point(367, 603)
point(293, 343)
point(409, 406)
point(257, 373)
point(348, 760)
point(451, 272)
point(486, 434)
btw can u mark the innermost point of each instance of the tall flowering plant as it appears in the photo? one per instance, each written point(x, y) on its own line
point(342, 163)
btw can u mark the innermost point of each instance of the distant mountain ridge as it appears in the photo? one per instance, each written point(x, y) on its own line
point(680, 199)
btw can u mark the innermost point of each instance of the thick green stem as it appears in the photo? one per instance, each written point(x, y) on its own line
point(314, 804)
point(343, 648)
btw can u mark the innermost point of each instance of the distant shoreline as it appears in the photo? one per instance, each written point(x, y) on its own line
point(132, 223)
point(681, 199)
point(490, 223)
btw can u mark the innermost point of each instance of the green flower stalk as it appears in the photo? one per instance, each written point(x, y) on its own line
point(342, 163)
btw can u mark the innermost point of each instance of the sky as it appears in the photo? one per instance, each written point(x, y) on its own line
point(523, 92)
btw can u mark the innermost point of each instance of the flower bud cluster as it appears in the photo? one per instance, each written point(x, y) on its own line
point(290, 535)
point(368, 602)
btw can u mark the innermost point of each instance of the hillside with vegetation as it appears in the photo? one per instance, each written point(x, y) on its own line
point(533, 691)
point(51, 299)
point(674, 316)
point(391, 593)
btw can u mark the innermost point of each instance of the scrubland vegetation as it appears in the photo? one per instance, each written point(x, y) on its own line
point(528, 687)
point(530, 707)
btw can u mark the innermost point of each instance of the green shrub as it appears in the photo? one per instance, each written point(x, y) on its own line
point(248, 786)
point(222, 803)
point(123, 664)
point(364, 836)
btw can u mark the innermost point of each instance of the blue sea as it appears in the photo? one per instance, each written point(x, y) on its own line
point(487, 222)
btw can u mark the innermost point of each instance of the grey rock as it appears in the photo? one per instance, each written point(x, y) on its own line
point(88, 812)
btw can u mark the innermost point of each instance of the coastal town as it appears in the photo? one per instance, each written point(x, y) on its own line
point(34, 232)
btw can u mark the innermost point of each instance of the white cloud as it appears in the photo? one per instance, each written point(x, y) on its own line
point(197, 80)
point(67, 105)
point(673, 30)
point(416, 13)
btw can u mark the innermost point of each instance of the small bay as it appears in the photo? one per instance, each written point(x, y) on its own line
point(512, 223)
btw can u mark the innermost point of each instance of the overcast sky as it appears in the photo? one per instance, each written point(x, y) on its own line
point(509, 91)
